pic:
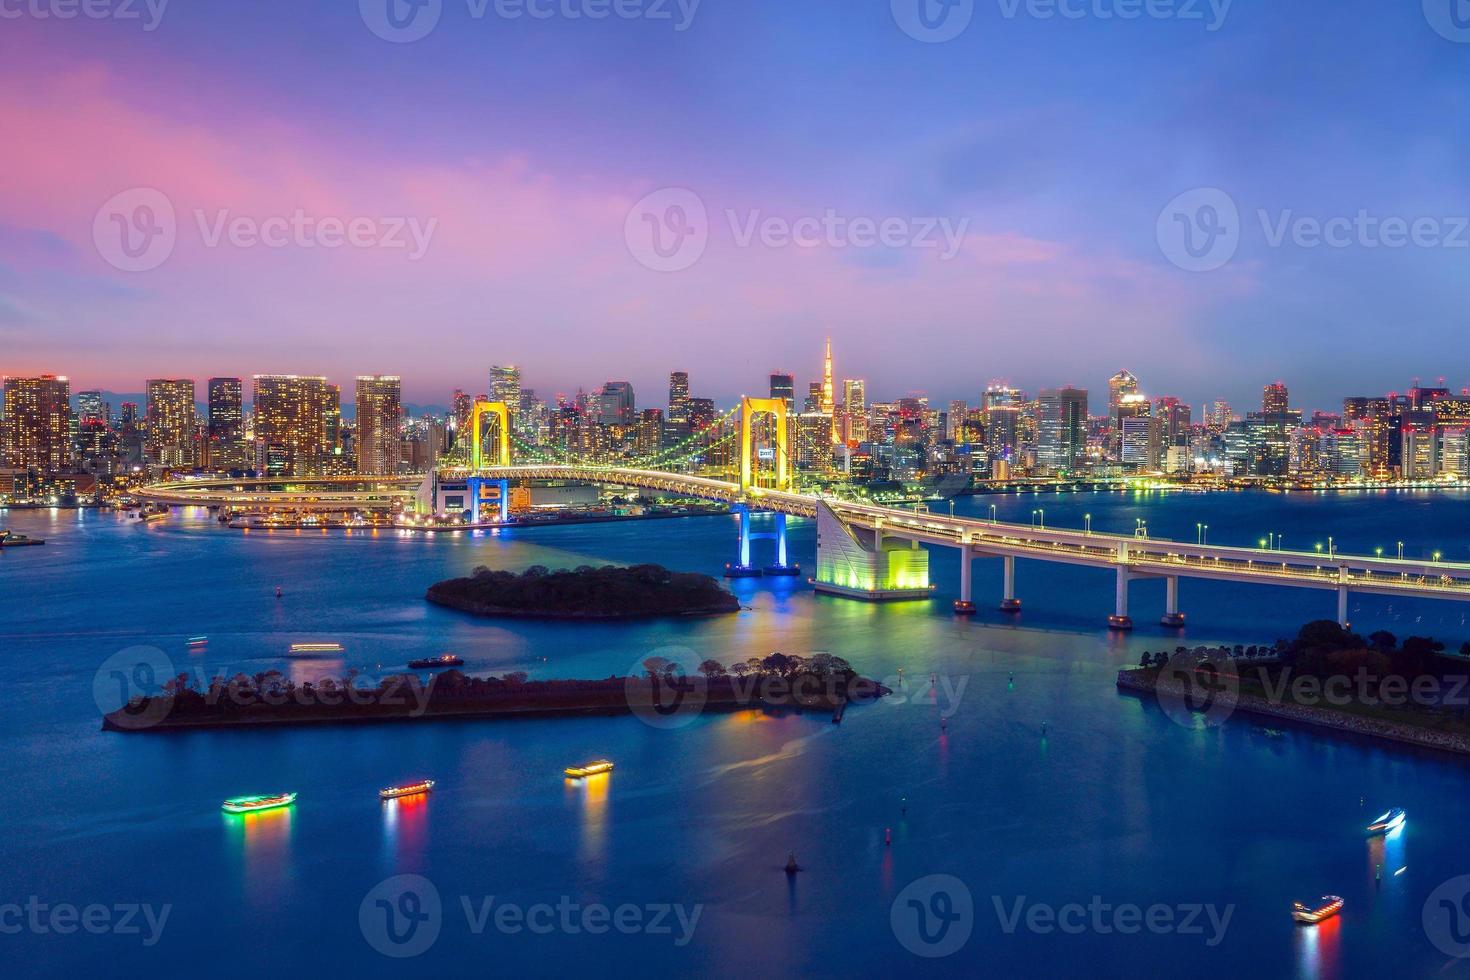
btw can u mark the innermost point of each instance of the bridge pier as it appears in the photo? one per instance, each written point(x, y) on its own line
point(1009, 602)
point(1120, 620)
point(742, 567)
point(782, 567)
point(865, 564)
point(1342, 607)
point(965, 605)
point(1172, 616)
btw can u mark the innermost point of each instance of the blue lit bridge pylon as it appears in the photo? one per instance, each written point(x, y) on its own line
point(742, 567)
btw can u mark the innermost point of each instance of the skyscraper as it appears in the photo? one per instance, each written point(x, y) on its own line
point(92, 410)
point(225, 429)
point(170, 416)
point(1061, 442)
point(505, 385)
point(855, 409)
point(291, 424)
point(379, 424)
point(783, 385)
point(1274, 399)
point(38, 423)
point(678, 417)
point(616, 405)
point(1120, 386)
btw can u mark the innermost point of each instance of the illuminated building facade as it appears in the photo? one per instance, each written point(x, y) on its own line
point(170, 421)
point(1061, 443)
point(291, 424)
point(379, 424)
point(38, 424)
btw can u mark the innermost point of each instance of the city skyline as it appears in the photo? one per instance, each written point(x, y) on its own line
point(1059, 268)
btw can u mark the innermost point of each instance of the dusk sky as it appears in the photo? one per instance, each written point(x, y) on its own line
point(520, 150)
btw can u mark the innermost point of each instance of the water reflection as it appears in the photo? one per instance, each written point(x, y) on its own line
point(1318, 950)
point(405, 829)
point(592, 792)
point(1385, 857)
point(259, 844)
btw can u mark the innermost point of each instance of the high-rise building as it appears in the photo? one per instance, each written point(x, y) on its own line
point(783, 385)
point(1002, 406)
point(224, 432)
point(379, 424)
point(505, 385)
point(171, 421)
point(1275, 399)
point(291, 423)
point(38, 423)
point(92, 410)
point(1120, 386)
point(678, 418)
point(616, 405)
point(855, 409)
point(1061, 438)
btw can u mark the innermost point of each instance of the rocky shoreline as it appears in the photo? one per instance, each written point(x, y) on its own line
point(1143, 680)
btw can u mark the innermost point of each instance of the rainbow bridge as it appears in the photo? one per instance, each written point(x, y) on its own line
point(876, 553)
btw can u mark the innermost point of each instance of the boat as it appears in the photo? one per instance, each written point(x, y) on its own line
point(300, 649)
point(198, 641)
point(254, 804)
point(590, 769)
point(419, 788)
point(429, 663)
point(1325, 908)
point(1388, 822)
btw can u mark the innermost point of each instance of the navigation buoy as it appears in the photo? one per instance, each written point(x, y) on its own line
point(791, 866)
point(278, 592)
point(888, 835)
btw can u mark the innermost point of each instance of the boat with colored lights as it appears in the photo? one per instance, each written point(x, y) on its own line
point(1325, 908)
point(419, 788)
point(1388, 822)
point(590, 769)
point(430, 663)
point(255, 804)
point(308, 649)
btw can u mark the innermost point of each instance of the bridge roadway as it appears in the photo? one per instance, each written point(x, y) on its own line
point(1131, 557)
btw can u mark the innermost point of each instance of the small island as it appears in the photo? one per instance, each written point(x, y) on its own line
point(1410, 691)
point(609, 592)
point(821, 683)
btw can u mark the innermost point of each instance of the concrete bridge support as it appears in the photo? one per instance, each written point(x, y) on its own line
point(1172, 616)
point(965, 605)
point(743, 567)
point(1009, 602)
point(1342, 607)
point(871, 565)
point(1120, 620)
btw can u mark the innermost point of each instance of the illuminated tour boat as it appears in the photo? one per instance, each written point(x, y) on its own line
point(308, 649)
point(590, 769)
point(1327, 906)
point(255, 804)
point(1389, 822)
point(419, 788)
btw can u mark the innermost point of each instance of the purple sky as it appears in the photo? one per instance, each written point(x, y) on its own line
point(524, 150)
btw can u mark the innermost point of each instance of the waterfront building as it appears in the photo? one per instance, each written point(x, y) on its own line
point(225, 426)
point(379, 424)
point(291, 423)
point(170, 421)
point(38, 424)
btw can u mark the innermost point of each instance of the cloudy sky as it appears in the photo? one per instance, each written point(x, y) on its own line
point(1214, 196)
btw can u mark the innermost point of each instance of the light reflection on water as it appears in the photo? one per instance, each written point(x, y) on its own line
point(259, 845)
